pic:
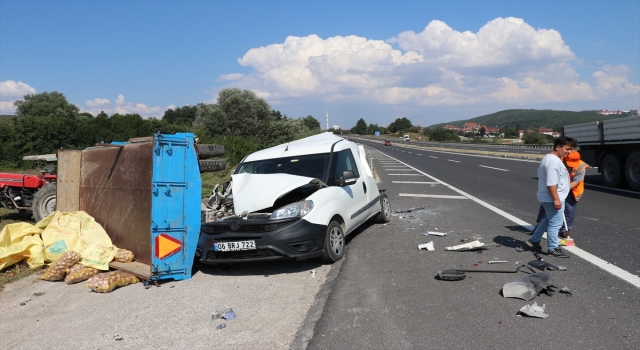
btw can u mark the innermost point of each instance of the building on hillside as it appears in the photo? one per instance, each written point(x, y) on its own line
point(555, 134)
point(633, 111)
point(452, 128)
point(520, 133)
point(545, 131)
point(606, 112)
point(473, 126)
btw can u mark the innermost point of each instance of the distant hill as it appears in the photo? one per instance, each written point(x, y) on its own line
point(532, 118)
point(6, 116)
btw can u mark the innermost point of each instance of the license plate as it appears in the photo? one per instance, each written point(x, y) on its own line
point(234, 246)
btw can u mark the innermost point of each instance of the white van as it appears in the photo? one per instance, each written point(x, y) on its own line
point(406, 138)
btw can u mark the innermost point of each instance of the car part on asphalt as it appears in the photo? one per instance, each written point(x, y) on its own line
point(460, 274)
point(529, 286)
point(497, 262)
point(475, 245)
point(533, 310)
point(543, 265)
point(437, 233)
point(427, 246)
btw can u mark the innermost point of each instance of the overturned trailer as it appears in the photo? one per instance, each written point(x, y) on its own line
point(145, 193)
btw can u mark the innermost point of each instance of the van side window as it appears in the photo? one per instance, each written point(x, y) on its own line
point(344, 160)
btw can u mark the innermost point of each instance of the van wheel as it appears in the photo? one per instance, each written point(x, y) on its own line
point(333, 243)
point(385, 209)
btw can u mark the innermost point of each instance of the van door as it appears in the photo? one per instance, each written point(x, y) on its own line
point(353, 199)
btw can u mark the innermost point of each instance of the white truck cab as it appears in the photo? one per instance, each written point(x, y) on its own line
point(406, 138)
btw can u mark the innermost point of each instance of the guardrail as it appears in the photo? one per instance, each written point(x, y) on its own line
point(547, 146)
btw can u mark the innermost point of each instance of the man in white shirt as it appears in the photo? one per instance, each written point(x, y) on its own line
point(553, 188)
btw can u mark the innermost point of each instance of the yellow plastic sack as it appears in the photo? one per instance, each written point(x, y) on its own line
point(77, 231)
point(21, 241)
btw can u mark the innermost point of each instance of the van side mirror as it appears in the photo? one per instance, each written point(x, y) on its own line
point(348, 178)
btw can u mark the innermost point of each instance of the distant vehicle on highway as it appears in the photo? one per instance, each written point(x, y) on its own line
point(387, 142)
point(406, 138)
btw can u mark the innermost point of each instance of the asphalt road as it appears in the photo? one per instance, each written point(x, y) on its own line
point(386, 295)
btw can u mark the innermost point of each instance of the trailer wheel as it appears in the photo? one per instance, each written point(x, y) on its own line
point(44, 201)
point(212, 165)
point(207, 151)
point(632, 170)
point(612, 174)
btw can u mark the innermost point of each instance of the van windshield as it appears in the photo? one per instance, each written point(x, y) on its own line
point(313, 165)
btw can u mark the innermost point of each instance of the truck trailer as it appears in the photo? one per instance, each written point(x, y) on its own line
point(613, 146)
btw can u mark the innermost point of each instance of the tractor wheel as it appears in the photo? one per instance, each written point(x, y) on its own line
point(44, 201)
point(212, 165)
point(207, 150)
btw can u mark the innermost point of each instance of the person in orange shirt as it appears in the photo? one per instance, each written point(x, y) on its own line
point(577, 169)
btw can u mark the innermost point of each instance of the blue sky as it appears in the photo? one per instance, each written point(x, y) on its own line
point(429, 61)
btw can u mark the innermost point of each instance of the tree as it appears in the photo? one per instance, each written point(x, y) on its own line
point(238, 112)
point(534, 138)
point(441, 135)
point(360, 128)
point(46, 104)
point(181, 116)
point(311, 122)
point(483, 131)
point(400, 125)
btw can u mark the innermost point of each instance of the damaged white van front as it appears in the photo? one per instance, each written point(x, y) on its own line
point(293, 201)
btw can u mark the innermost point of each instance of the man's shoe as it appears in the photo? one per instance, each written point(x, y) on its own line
point(564, 234)
point(534, 245)
point(558, 253)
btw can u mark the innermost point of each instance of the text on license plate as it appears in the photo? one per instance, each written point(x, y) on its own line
point(234, 246)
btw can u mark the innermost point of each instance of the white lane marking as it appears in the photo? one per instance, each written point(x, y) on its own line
point(432, 157)
point(431, 196)
point(490, 167)
point(412, 175)
point(393, 166)
point(419, 154)
point(529, 152)
point(399, 169)
point(410, 152)
point(415, 182)
point(612, 189)
point(451, 160)
point(484, 149)
point(614, 270)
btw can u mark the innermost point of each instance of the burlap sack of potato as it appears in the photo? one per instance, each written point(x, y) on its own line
point(108, 281)
point(78, 273)
point(58, 269)
point(123, 256)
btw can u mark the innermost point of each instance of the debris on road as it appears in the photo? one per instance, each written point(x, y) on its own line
point(221, 326)
point(427, 246)
point(543, 265)
point(437, 233)
point(313, 273)
point(566, 291)
point(117, 337)
point(529, 286)
point(498, 262)
point(227, 314)
point(519, 249)
point(475, 245)
point(534, 310)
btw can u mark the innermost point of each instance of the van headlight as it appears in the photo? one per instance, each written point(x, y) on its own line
point(292, 210)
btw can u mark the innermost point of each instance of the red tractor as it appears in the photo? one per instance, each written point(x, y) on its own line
point(31, 194)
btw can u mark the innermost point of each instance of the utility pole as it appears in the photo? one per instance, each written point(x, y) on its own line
point(327, 121)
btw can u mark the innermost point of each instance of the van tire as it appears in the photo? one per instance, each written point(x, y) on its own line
point(334, 243)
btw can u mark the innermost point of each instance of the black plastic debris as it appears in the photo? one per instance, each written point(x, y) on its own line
point(528, 287)
point(543, 265)
point(460, 274)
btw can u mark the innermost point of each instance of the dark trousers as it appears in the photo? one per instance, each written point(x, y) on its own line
point(569, 212)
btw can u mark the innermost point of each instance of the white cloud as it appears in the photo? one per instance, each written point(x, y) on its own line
point(96, 102)
point(612, 81)
point(10, 90)
point(120, 106)
point(507, 62)
point(6, 107)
